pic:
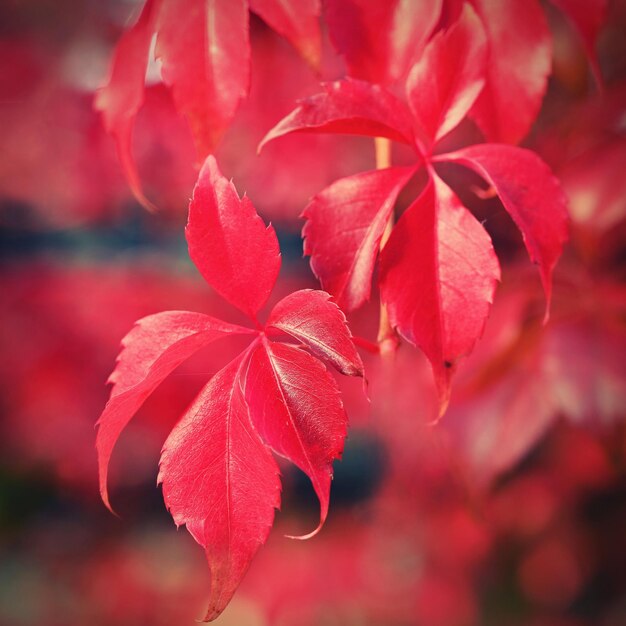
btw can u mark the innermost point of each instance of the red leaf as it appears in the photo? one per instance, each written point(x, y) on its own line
point(296, 408)
point(393, 33)
point(205, 51)
point(229, 243)
point(588, 17)
point(151, 350)
point(530, 193)
point(345, 223)
point(297, 21)
point(319, 323)
point(121, 98)
point(444, 84)
point(350, 107)
point(441, 308)
point(518, 65)
point(221, 482)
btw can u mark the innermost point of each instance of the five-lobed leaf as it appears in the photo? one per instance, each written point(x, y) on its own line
point(218, 475)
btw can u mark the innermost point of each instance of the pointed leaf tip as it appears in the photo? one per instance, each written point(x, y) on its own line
point(236, 253)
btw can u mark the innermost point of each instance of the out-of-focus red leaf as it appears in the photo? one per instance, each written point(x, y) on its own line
point(221, 482)
point(380, 40)
point(205, 52)
point(350, 107)
point(444, 84)
point(532, 196)
point(345, 223)
point(296, 407)
point(151, 351)
point(442, 307)
point(588, 17)
point(229, 243)
point(297, 21)
point(518, 65)
point(320, 324)
point(121, 98)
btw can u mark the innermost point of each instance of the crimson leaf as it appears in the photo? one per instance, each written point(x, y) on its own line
point(296, 407)
point(319, 323)
point(393, 33)
point(229, 243)
point(518, 65)
point(221, 481)
point(531, 195)
point(352, 107)
point(151, 351)
point(443, 85)
point(345, 223)
point(218, 476)
point(443, 306)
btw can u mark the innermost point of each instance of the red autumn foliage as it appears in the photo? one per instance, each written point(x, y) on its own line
point(510, 510)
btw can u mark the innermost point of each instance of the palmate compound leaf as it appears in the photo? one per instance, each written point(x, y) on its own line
point(221, 481)
point(218, 475)
point(344, 220)
point(204, 48)
point(438, 274)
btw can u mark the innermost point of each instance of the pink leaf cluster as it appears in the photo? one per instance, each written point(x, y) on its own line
point(218, 474)
point(204, 49)
point(438, 270)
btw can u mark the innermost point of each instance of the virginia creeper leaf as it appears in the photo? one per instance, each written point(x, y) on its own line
point(121, 98)
point(532, 196)
point(151, 350)
point(229, 243)
point(297, 21)
point(221, 481)
point(296, 408)
point(345, 223)
point(438, 273)
point(393, 33)
point(444, 84)
point(351, 107)
point(205, 51)
point(320, 324)
point(518, 65)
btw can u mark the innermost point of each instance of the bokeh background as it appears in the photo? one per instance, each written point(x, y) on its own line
point(511, 511)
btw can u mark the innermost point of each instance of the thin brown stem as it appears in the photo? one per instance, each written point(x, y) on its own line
point(387, 337)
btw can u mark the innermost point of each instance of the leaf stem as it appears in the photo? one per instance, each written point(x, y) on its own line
point(387, 337)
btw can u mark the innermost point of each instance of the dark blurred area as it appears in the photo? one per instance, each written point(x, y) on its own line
point(511, 511)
